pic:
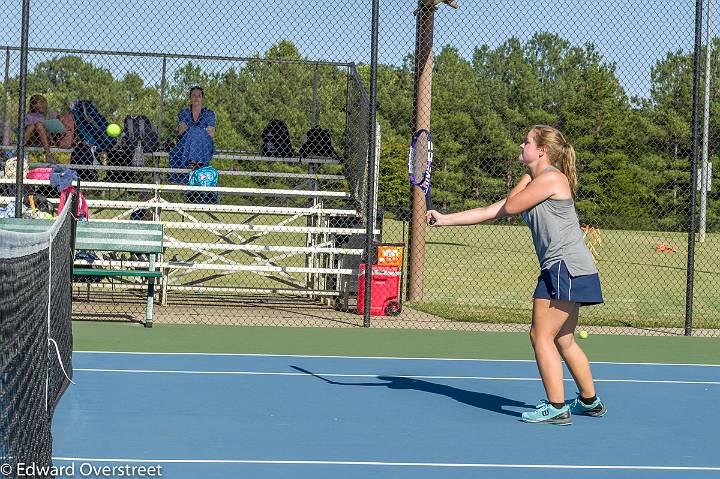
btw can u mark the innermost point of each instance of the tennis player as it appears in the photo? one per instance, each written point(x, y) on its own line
point(544, 197)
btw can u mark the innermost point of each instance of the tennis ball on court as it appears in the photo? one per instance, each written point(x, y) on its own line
point(583, 334)
point(113, 129)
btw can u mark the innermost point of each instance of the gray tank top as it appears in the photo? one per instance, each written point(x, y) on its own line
point(557, 236)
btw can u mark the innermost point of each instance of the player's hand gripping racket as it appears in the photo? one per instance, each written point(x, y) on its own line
point(420, 164)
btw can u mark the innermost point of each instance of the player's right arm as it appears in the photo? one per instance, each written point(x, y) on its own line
point(469, 217)
point(474, 216)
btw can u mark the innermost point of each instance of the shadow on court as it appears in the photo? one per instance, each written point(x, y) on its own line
point(489, 402)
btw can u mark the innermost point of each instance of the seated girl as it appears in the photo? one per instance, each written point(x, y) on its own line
point(35, 131)
point(196, 127)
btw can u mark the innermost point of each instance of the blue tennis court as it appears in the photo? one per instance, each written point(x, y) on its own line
point(277, 416)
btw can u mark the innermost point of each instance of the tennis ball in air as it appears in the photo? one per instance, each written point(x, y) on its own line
point(583, 334)
point(113, 129)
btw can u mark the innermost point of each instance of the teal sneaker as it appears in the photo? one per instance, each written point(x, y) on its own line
point(546, 413)
point(596, 409)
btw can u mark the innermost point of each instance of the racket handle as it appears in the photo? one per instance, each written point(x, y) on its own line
point(428, 206)
point(31, 202)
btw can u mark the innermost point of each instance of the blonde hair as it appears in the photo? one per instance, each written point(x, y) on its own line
point(560, 152)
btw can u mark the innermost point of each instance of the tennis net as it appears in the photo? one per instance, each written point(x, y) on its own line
point(35, 336)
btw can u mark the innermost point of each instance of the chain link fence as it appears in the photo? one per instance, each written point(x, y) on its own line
point(259, 177)
point(621, 95)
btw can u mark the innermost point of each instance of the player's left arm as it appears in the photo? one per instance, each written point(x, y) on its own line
point(521, 185)
point(536, 191)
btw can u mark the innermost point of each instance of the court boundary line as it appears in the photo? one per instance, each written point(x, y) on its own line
point(375, 376)
point(388, 464)
point(399, 358)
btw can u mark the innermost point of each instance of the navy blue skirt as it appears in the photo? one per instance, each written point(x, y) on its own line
point(556, 282)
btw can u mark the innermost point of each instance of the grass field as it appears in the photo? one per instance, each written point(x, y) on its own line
point(487, 273)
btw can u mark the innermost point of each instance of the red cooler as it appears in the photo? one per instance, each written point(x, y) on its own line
point(384, 300)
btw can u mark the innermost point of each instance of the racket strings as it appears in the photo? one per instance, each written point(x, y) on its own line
point(420, 159)
point(420, 167)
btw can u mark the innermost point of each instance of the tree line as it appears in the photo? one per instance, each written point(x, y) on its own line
point(633, 153)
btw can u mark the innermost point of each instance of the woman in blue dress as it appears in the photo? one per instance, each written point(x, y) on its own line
point(196, 127)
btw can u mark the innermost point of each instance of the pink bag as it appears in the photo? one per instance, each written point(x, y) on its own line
point(82, 208)
point(39, 174)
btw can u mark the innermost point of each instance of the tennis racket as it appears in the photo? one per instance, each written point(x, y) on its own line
point(420, 164)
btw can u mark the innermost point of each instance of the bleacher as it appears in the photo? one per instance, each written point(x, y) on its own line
point(288, 226)
point(256, 241)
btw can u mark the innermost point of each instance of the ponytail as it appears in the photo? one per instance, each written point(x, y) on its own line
point(567, 166)
point(561, 153)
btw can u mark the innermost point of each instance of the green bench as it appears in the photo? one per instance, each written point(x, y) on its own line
point(110, 236)
point(126, 236)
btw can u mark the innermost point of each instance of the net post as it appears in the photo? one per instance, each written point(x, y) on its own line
point(372, 157)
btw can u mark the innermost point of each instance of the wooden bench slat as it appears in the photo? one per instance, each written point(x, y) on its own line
point(24, 225)
point(102, 233)
point(116, 272)
point(131, 237)
point(115, 246)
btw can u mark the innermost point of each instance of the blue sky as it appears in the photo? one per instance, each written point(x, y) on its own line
point(633, 34)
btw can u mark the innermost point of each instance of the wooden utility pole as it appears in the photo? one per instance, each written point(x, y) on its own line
point(424, 26)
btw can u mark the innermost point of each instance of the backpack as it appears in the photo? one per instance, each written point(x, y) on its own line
point(204, 176)
point(84, 154)
point(67, 139)
point(82, 206)
point(141, 215)
point(41, 203)
point(317, 143)
point(139, 131)
point(276, 140)
point(91, 125)
point(11, 166)
point(120, 157)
